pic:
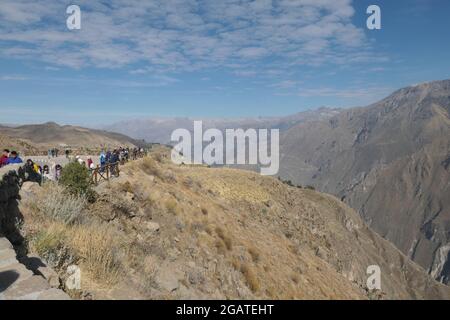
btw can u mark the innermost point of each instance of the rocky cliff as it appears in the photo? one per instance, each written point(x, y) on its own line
point(389, 161)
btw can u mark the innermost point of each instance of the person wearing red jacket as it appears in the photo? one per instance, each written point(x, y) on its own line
point(4, 158)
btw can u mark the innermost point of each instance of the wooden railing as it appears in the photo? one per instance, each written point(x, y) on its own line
point(104, 173)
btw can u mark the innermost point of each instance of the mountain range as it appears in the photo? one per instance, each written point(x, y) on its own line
point(390, 161)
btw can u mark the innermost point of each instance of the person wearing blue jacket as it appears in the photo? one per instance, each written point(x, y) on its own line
point(14, 158)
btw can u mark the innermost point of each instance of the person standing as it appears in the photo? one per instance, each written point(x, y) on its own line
point(4, 158)
point(14, 158)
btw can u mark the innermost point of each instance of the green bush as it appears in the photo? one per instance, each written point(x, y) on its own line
point(77, 180)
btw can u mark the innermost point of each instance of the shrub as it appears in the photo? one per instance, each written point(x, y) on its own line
point(57, 203)
point(50, 244)
point(76, 178)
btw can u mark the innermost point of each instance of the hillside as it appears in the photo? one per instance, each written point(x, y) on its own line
point(171, 232)
point(390, 162)
point(21, 146)
point(50, 135)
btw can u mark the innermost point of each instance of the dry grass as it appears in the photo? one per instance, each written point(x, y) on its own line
point(295, 278)
point(149, 166)
point(126, 187)
point(254, 253)
point(98, 248)
point(225, 238)
point(220, 246)
point(93, 247)
point(172, 206)
point(250, 277)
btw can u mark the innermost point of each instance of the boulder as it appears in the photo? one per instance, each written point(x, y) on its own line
point(35, 264)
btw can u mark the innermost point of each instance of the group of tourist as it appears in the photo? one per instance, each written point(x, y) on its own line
point(35, 172)
point(9, 157)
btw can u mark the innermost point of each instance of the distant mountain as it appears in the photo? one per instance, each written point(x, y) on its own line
point(49, 135)
point(160, 129)
point(391, 162)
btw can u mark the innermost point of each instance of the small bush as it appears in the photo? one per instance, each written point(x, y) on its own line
point(57, 203)
point(50, 244)
point(77, 180)
point(205, 211)
point(309, 187)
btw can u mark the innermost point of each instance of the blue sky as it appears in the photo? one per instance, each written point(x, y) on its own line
point(210, 58)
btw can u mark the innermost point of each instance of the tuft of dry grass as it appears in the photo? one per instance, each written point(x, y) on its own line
point(98, 248)
point(254, 253)
point(225, 238)
point(149, 166)
point(172, 206)
point(220, 246)
point(250, 277)
point(126, 187)
point(236, 263)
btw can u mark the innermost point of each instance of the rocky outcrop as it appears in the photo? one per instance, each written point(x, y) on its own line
point(18, 281)
point(10, 215)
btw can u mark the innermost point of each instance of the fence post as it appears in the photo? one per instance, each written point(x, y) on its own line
point(95, 174)
point(107, 171)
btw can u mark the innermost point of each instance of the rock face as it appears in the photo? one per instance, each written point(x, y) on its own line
point(19, 283)
point(9, 212)
point(16, 281)
point(390, 162)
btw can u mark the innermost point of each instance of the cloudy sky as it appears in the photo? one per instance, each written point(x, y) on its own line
point(227, 58)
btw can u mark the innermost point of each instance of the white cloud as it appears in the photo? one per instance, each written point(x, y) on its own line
point(12, 78)
point(352, 93)
point(184, 35)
